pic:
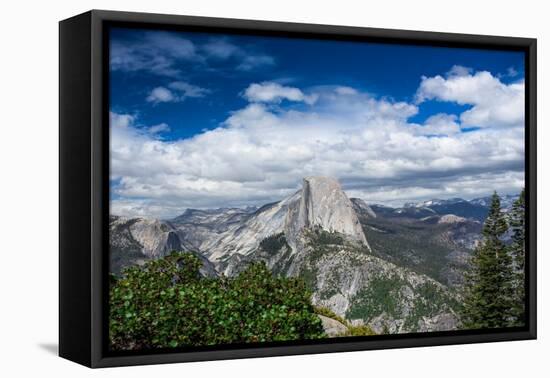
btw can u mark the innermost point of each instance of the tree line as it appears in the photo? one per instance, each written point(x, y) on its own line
point(494, 291)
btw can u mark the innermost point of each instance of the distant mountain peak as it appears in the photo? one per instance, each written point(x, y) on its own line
point(324, 204)
point(434, 202)
point(450, 219)
point(320, 203)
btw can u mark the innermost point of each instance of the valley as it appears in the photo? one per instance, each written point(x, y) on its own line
point(396, 270)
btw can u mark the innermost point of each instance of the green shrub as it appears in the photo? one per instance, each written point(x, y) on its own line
point(362, 330)
point(319, 310)
point(167, 303)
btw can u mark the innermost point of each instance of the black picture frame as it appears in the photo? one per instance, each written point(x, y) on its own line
point(84, 189)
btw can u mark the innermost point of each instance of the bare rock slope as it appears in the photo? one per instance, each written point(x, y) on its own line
point(321, 203)
point(324, 204)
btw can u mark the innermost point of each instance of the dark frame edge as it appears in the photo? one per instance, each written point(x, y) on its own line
point(75, 332)
point(94, 356)
point(280, 27)
point(277, 351)
point(531, 180)
point(99, 197)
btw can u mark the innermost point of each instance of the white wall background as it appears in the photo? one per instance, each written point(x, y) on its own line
point(29, 186)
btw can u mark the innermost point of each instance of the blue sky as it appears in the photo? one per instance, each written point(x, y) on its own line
point(193, 106)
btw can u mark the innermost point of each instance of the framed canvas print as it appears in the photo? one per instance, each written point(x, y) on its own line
point(233, 188)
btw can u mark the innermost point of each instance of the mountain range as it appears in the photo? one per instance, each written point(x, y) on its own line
point(395, 269)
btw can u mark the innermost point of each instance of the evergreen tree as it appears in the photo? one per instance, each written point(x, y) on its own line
point(517, 250)
point(488, 300)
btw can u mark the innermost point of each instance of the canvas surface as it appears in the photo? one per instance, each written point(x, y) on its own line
point(273, 189)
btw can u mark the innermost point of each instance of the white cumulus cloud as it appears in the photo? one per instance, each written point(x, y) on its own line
point(440, 124)
point(261, 152)
point(493, 103)
point(160, 128)
point(160, 94)
point(275, 92)
point(177, 91)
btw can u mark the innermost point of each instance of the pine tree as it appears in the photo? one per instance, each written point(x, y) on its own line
point(517, 250)
point(488, 299)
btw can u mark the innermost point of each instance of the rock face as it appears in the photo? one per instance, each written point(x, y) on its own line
point(197, 228)
point(244, 237)
point(332, 327)
point(135, 240)
point(155, 237)
point(323, 204)
point(361, 206)
point(443, 322)
point(359, 279)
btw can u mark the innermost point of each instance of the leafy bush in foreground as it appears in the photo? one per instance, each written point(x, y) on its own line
point(167, 303)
